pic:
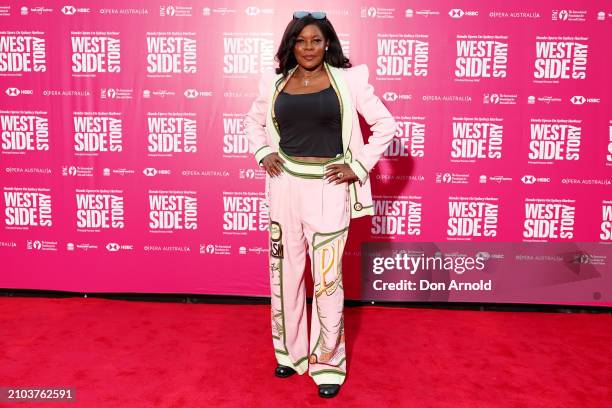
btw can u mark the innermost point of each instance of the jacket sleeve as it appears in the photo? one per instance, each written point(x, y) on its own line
point(382, 124)
point(255, 120)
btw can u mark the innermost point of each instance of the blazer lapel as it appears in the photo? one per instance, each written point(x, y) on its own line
point(341, 87)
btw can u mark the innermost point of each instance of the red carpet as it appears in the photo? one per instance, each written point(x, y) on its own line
point(142, 354)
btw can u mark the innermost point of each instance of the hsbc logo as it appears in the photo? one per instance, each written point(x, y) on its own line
point(191, 93)
point(151, 171)
point(456, 13)
point(252, 11)
point(528, 179)
point(12, 91)
point(69, 10)
point(483, 255)
point(459, 13)
point(194, 93)
point(114, 247)
point(390, 96)
point(581, 100)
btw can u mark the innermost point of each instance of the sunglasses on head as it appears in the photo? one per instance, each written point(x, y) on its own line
point(317, 15)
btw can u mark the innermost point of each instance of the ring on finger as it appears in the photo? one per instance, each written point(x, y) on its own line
point(340, 175)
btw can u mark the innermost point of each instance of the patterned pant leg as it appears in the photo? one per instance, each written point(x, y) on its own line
point(287, 262)
point(326, 229)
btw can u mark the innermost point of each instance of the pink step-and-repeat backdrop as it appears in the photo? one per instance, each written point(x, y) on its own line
point(124, 165)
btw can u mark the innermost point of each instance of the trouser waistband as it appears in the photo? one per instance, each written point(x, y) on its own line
point(305, 169)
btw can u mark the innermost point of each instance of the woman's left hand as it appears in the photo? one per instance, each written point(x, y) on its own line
point(340, 173)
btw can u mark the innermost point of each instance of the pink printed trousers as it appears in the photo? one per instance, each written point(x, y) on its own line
point(308, 214)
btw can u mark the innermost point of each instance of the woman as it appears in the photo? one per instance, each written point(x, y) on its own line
point(304, 130)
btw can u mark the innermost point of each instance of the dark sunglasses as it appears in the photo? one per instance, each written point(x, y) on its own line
point(317, 15)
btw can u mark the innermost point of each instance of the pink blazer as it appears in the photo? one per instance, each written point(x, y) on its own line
point(356, 95)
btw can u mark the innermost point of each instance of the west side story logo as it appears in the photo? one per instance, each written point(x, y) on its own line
point(169, 133)
point(27, 132)
point(559, 59)
point(171, 54)
point(95, 53)
point(247, 53)
point(548, 219)
point(96, 132)
point(402, 55)
point(480, 56)
point(476, 138)
point(27, 207)
point(554, 140)
point(22, 53)
point(99, 209)
point(470, 217)
point(609, 153)
point(397, 216)
point(235, 143)
point(606, 220)
point(172, 210)
point(409, 138)
point(244, 212)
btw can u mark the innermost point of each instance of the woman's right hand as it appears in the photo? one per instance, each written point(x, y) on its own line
point(272, 163)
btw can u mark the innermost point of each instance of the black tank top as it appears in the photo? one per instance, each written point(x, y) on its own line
point(309, 123)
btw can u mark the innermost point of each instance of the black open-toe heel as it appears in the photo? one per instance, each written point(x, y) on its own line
point(328, 390)
point(283, 371)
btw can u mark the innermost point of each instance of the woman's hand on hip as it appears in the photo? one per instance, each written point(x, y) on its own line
point(340, 173)
point(272, 163)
